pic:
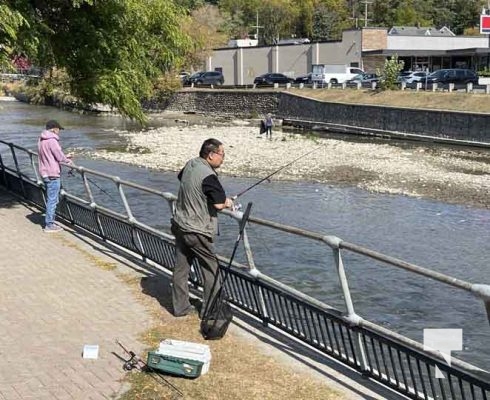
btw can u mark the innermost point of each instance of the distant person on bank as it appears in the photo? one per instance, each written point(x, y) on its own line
point(195, 224)
point(268, 123)
point(50, 157)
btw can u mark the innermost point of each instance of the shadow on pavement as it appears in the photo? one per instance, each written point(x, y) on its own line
point(7, 199)
point(158, 286)
point(36, 217)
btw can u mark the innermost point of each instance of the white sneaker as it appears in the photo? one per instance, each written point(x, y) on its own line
point(53, 228)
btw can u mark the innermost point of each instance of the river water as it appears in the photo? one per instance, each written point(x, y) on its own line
point(452, 239)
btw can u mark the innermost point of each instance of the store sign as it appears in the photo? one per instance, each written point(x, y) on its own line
point(485, 24)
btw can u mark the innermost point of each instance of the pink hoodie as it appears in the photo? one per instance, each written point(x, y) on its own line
point(50, 155)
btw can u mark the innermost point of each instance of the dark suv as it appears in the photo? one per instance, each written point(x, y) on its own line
point(455, 75)
point(206, 78)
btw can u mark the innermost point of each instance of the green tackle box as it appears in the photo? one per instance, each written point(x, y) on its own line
point(174, 365)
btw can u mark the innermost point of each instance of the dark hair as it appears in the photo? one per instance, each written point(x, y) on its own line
point(209, 146)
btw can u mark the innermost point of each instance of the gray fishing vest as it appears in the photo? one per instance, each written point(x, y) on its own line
point(192, 212)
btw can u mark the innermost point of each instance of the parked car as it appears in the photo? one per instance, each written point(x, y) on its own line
point(184, 75)
point(455, 75)
point(414, 77)
point(205, 78)
point(271, 78)
point(402, 75)
point(364, 78)
point(304, 79)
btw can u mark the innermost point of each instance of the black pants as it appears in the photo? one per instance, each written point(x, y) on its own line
point(189, 246)
point(268, 131)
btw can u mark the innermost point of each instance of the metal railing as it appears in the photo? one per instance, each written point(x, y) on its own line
point(378, 353)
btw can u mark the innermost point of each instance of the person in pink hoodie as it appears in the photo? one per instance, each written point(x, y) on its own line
point(50, 157)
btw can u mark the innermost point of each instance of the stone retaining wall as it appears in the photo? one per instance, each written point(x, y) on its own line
point(304, 111)
point(237, 102)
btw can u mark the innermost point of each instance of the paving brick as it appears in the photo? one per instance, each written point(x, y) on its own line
point(53, 301)
point(9, 393)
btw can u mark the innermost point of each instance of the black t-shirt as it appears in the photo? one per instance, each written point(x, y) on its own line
point(211, 186)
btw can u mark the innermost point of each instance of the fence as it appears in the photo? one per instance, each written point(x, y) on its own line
point(358, 85)
point(378, 353)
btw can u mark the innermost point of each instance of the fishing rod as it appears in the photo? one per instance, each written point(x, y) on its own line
point(138, 363)
point(273, 173)
point(71, 173)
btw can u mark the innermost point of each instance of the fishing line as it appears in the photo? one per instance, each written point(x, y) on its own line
point(275, 172)
point(71, 173)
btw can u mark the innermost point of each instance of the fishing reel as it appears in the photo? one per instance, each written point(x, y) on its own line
point(236, 207)
point(133, 362)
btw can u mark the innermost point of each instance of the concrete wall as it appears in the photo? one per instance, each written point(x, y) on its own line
point(306, 112)
point(440, 124)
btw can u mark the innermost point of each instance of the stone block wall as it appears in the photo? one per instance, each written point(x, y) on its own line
point(242, 103)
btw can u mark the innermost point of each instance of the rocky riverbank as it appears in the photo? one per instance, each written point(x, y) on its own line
point(451, 174)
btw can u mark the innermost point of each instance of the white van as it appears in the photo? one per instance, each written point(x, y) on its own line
point(333, 73)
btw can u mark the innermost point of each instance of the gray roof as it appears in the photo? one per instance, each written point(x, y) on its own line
point(420, 31)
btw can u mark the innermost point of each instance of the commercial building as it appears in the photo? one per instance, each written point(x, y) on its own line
point(367, 48)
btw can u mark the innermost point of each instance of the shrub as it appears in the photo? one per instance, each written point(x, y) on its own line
point(389, 74)
point(485, 72)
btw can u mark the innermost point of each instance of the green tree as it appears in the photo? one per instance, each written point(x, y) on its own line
point(10, 23)
point(304, 23)
point(206, 26)
point(389, 74)
point(329, 19)
point(190, 5)
point(113, 51)
point(277, 18)
point(466, 15)
point(243, 14)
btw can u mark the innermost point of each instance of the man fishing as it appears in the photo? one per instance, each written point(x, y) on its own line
point(195, 223)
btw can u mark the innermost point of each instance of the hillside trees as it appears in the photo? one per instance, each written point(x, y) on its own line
point(329, 19)
point(278, 18)
point(455, 14)
point(207, 28)
point(113, 51)
point(325, 19)
point(466, 14)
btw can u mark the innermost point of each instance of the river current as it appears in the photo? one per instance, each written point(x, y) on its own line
point(452, 239)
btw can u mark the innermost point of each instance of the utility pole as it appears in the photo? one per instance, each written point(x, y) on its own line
point(366, 19)
point(257, 27)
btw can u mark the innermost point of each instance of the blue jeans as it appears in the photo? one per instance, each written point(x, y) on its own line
point(53, 187)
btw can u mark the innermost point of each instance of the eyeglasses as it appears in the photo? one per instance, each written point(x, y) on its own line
point(221, 154)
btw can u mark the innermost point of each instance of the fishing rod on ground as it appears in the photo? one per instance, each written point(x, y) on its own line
point(136, 362)
point(273, 173)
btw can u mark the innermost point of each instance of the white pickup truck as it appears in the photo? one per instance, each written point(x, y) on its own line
point(333, 73)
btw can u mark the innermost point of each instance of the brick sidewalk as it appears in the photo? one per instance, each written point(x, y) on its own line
point(53, 301)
